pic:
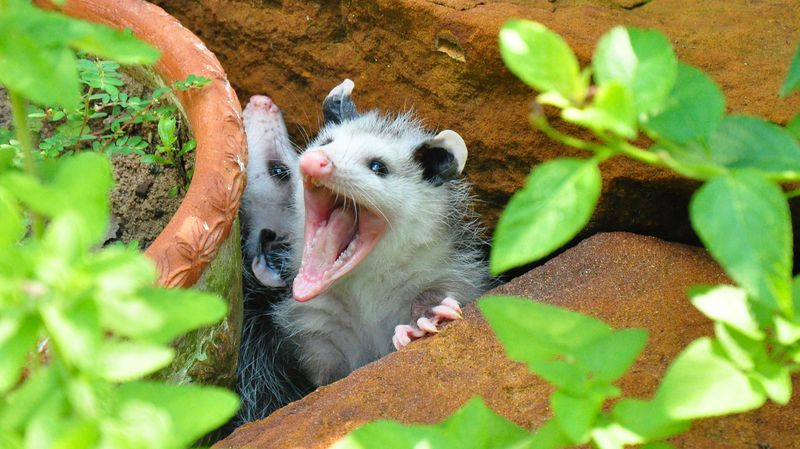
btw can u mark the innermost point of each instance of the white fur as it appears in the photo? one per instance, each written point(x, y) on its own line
point(430, 249)
point(266, 201)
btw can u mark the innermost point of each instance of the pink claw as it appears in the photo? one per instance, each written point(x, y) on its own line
point(448, 310)
point(427, 325)
point(403, 334)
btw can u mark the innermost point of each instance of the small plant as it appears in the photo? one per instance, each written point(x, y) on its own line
point(105, 324)
point(635, 84)
point(111, 121)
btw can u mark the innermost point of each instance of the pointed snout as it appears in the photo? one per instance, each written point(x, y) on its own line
point(316, 164)
point(262, 102)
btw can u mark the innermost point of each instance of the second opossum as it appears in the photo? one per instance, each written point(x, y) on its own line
point(386, 243)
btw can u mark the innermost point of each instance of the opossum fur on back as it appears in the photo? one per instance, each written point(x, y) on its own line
point(384, 232)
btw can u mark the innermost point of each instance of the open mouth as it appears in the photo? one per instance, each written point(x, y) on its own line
point(338, 234)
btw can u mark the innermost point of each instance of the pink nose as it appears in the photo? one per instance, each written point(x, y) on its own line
point(262, 102)
point(316, 164)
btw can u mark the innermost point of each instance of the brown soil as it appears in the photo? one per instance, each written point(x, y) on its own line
point(140, 202)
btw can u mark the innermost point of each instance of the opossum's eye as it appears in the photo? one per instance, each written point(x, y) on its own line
point(378, 167)
point(278, 171)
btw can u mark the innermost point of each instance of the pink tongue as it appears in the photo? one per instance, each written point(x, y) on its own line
point(327, 243)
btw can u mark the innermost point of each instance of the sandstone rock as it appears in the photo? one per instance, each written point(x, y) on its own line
point(440, 57)
point(624, 279)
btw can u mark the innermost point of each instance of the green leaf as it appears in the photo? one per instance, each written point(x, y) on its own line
point(692, 111)
point(610, 435)
point(66, 239)
point(751, 142)
point(576, 415)
point(701, 382)
point(557, 201)
point(610, 356)
point(127, 361)
point(80, 184)
point(793, 127)
point(120, 272)
point(80, 435)
point(193, 410)
point(612, 110)
point(12, 227)
point(642, 60)
point(541, 59)
point(74, 331)
point(17, 339)
point(22, 403)
point(139, 424)
point(172, 304)
point(740, 349)
point(7, 155)
point(776, 381)
point(647, 420)
point(45, 74)
point(166, 130)
point(565, 375)
point(473, 426)
point(550, 436)
point(754, 211)
point(787, 332)
point(532, 331)
point(792, 81)
point(728, 304)
point(85, 182)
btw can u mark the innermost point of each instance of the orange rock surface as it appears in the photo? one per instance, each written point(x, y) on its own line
point(440, 57)
point(624, 279)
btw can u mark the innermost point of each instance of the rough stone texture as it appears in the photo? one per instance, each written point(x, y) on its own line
point(440, 57)
point(624, 279)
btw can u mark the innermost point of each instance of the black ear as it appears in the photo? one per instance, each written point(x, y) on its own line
point(338, 106)
point(442, 158)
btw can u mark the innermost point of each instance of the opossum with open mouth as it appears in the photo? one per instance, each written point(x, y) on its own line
point(386, 245)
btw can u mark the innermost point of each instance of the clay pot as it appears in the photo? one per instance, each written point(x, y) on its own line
point(200, 246)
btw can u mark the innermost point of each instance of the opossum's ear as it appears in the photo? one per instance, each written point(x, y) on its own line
point(442, 158)
point(338, 106)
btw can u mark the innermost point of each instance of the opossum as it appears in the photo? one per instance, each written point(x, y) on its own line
point(385, 244)
point(267, 373)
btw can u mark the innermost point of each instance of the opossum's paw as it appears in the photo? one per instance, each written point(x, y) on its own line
point(448, 310)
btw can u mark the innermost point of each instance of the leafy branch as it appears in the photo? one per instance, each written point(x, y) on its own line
point(107, 326)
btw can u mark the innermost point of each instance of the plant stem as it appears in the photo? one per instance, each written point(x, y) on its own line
point(24, 138)
point(85, 114)
point(125, 126)
point(539, 120)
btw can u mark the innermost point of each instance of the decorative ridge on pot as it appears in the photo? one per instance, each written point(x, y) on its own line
point(203, 221)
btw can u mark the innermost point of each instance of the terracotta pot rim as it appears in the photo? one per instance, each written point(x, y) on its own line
point(203, 222)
